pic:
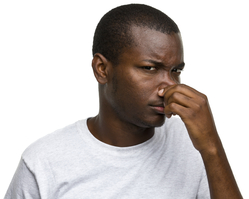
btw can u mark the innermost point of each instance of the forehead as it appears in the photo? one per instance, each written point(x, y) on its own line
point(152, 44)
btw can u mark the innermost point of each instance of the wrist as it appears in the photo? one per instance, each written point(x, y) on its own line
point(212, 153)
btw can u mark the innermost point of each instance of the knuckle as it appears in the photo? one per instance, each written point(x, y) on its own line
point(178, 86)
point(172, 106)
point(203, 100)
point(205, 97)
point(198, 106)
point(192, 113)
point(175, 95)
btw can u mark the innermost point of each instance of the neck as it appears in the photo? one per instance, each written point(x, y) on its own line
point(112, 130)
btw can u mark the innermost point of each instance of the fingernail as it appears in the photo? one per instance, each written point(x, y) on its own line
point(160, 92)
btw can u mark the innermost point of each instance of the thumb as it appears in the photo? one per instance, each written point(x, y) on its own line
point(161, 92)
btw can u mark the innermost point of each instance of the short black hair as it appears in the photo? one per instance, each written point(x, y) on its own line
point(113, 34)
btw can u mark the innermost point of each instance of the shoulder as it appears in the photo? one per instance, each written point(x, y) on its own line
point(53, 144)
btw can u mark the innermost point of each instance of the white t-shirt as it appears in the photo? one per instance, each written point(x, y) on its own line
point(72, 164)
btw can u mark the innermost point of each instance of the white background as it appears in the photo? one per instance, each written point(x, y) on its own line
point(46, 80)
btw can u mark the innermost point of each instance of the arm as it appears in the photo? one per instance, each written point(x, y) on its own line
point(23, 184)
point(194, 110)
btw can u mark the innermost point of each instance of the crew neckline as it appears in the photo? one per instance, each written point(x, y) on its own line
point(84, 130)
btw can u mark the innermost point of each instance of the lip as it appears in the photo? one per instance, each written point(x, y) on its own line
point(158, 108)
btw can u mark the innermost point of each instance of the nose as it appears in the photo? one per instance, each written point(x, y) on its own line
point(166, 80)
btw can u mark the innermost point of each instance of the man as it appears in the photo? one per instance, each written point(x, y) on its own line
point(130, 150)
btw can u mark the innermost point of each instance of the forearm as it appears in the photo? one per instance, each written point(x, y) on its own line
point(194, 110)
point(220, 177)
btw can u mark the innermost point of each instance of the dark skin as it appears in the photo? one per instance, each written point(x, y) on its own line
point(137, 95)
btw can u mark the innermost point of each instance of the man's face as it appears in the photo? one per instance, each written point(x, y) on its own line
point(153, 63)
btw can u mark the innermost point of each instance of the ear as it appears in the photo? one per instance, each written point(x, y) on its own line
point(100, 67)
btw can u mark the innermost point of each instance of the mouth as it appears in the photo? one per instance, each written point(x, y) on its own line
point(158, 108)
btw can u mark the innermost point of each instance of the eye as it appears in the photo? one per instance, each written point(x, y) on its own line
point(177, 70)
point(149, 68)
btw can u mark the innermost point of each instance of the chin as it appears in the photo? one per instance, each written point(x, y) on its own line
point(153, 122)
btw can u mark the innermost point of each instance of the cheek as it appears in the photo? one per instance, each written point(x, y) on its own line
point(176, 78)
point(133, 88)
point(139, 89)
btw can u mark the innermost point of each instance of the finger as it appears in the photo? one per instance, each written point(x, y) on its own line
point(179, 98)
point(162, 91)
point(180, 89)
point(175, 109)
point(183, 89)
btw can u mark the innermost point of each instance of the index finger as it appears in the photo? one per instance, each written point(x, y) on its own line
point(180, 88)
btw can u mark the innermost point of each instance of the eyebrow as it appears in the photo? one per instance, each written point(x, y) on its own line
point(156, 63)
point(181, 65)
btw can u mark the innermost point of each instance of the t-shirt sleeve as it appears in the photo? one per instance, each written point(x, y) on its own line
point(23, 184)
point(203, 192)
